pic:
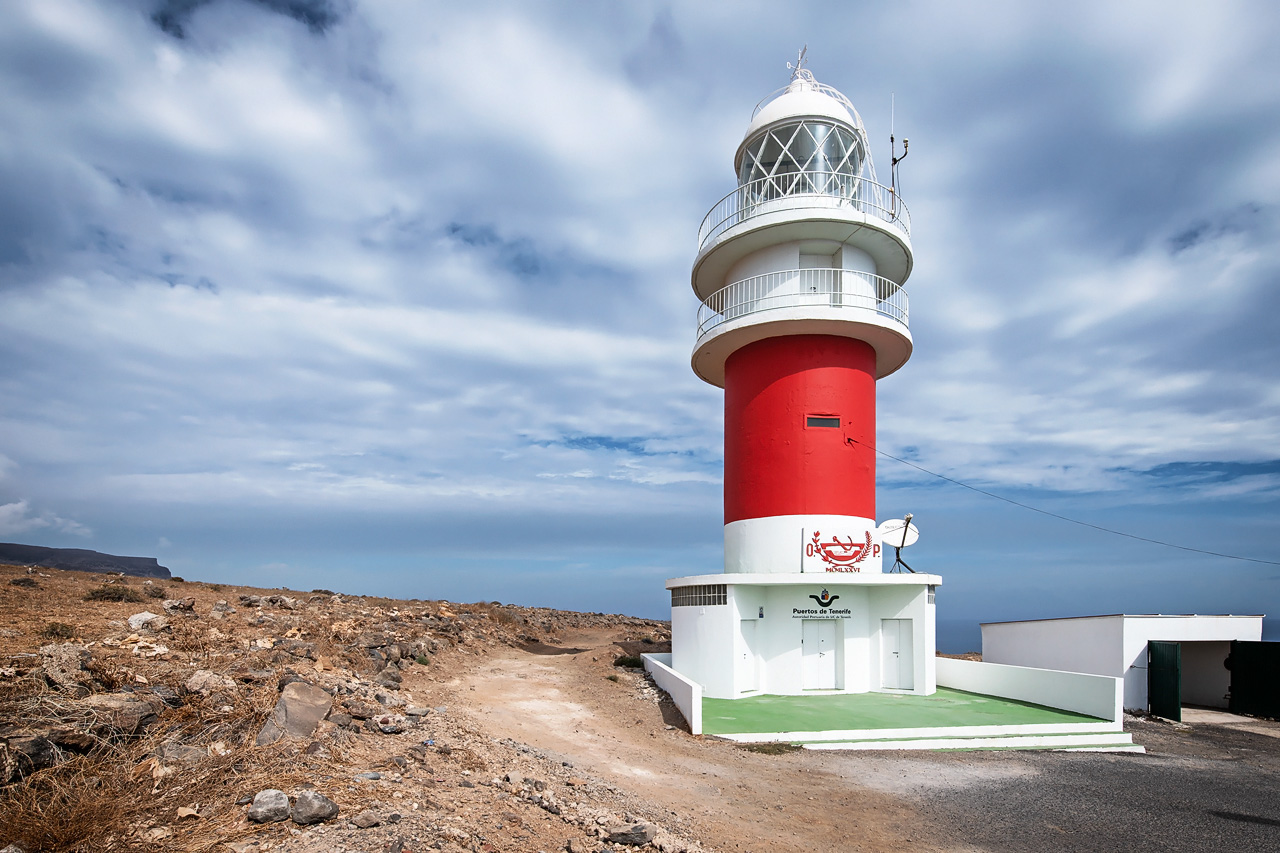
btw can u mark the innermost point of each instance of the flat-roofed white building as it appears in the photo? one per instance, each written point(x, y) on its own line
point(1117, 645)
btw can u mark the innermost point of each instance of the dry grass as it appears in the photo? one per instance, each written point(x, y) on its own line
point(85, 804)
point(119, 796)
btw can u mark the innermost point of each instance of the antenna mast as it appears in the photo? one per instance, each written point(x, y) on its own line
point(894, 159)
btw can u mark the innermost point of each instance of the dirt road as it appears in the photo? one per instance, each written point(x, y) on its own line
point(726, 796)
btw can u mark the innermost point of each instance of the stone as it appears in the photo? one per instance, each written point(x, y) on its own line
point(581, 845)
point(390, 724)
point(362, 710)
point(126, 713)
point(367, 819)
point(297, 714)
point(147, 619)
point(313, 807)
point(415, 711)
point(269, 806)
point(369, 776)
point(24, 752)
point(179, 605)
point(636, 835)
point(180, 753)
point(205, 682)
point(63, 666)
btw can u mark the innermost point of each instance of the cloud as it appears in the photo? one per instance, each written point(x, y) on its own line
point(173, 16)
point(393, 275)
point(16, 518)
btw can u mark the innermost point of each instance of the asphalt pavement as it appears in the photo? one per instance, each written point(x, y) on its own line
point(1200, 787)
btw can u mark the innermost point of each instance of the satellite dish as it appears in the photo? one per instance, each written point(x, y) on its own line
point(898, 532)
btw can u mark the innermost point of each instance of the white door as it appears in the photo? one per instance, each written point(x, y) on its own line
point(818, 654)
point(898, 663)
point(746, 665)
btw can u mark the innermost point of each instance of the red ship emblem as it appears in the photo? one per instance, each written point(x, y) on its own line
point(840, 556)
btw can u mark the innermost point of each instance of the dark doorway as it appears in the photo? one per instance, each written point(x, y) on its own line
point(1255, 678)
point(1164, 680)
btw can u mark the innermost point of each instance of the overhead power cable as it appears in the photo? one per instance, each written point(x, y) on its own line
point(852, 440)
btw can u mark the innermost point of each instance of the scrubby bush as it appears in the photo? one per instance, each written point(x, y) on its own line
point(30, 583)
point(629, 661)
point(155, 591)
point(423, 659)
point(113, 592)
point(612, 677)
point(57, 631)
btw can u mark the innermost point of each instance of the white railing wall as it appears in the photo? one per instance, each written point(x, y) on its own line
point(686, 694)
point(1096, 695)
point(812, 288)
point(796, 190)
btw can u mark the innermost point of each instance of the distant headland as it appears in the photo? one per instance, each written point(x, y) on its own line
point(80, 560)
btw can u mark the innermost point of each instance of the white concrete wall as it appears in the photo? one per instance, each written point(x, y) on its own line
point(904, 602)
point(853, 258)
point(779, 258)
point(1095, 695)
point(702, 643)
point(685, 693)
point(1091, 644)
point(708, 642)
point(1205, 678)
point(1116, 646)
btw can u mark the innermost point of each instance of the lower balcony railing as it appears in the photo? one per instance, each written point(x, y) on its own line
point(809, 288)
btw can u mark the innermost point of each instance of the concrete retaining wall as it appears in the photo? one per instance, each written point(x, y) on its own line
point(1095, 695)
point(686, 694)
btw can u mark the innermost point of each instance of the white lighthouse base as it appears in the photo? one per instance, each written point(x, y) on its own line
point(739, 634)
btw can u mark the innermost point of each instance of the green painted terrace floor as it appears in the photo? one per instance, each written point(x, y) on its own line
point(847, 711)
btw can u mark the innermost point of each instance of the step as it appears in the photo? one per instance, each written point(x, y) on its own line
point(1092, 741)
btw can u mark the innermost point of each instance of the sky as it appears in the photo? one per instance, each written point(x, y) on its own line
point(393, 298)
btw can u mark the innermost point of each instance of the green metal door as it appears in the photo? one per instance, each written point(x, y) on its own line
point(1164, 680)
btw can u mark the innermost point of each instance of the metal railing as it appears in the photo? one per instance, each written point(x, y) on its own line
point(794, 190)
point(811, 288)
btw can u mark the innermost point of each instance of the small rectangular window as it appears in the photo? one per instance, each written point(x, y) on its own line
point(700, 596)
point(823, 421)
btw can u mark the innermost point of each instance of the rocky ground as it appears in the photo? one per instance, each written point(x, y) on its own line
point(200, 717)
point(190, 716)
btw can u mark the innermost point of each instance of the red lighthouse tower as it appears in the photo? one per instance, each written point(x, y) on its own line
point(800, 272)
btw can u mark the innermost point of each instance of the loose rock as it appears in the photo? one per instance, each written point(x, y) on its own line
point(269, 806)
point(64, 666)
point(147, 619)
point(367, 819)
point(636, 835)
point(301, 708)
point(205, 682)
point(313, 807)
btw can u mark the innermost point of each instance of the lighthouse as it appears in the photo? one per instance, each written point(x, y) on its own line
point(801, 273)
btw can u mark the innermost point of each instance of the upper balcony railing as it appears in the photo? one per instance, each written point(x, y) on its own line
point(810, 288)
point(794, 190)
